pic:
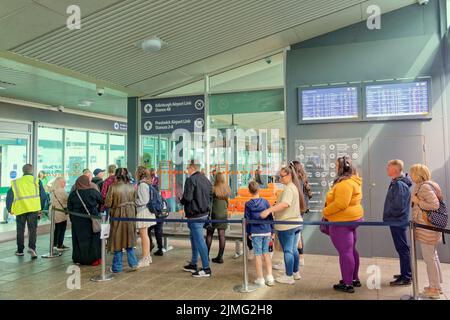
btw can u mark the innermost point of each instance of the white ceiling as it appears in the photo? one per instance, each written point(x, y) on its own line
point(204, 36)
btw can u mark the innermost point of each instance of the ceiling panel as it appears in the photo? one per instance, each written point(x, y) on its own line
point(105, 46)
point(9, 7)
point(37, 88)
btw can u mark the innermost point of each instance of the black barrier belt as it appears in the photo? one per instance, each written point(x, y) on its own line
point(298, 223)
point(423, 226)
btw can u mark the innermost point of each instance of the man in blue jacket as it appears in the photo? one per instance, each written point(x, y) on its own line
point(396, 209)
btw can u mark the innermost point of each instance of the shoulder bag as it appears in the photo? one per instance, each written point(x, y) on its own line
point(96, 226)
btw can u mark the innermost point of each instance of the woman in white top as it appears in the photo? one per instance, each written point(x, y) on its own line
point(142, 212)
point(58, 200)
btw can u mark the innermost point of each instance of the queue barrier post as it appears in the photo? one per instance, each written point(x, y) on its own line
point(245, 287)
point(103, 276)
point(51, 252)
point(415, 285)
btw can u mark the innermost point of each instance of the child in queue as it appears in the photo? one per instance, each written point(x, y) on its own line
point(260, 234)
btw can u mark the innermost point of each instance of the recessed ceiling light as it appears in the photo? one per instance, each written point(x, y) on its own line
point(2, 88)
point(85, 103)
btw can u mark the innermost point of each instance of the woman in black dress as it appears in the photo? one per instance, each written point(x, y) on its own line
point(86, 245)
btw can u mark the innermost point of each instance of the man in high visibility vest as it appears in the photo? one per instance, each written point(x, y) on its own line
point(25, 200)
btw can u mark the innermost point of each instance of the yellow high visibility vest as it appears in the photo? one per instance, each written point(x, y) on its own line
point(26, 195)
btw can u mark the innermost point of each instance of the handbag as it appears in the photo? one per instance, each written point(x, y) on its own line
point(325, 228)
point(96, 226)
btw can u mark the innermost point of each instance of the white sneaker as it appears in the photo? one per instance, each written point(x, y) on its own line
point(270, 281)
point(32, 253)
point(302, 260)
point(285, 279)
point(250, 255)
point(144, 262)
point(278, 266)
point(297, 276)
point(260, 282)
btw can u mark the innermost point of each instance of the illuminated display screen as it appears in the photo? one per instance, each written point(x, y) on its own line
point(329, 103)
point(397, 99)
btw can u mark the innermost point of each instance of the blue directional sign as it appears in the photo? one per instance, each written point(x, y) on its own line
point(164, 115)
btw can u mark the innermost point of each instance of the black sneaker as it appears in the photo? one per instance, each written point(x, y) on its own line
point(400, 282)
point(344, 288)
point(356, 283)
point(159, 252)
point(202, 273)
point(397, 276)
point(19, 254)
point(190, 268)
point(217, 260)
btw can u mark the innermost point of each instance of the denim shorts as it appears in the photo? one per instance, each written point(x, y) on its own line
point(260, 244)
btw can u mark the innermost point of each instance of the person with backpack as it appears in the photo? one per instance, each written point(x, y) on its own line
point(143, 212)
point(426, 197)
point(158, 205)
point(197, 199)
point(396, 209)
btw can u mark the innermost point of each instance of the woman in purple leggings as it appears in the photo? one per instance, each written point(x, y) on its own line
point(343, 204)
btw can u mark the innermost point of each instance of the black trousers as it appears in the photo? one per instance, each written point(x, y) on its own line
point(158, 230)
point(60, 231)
point(31, 220)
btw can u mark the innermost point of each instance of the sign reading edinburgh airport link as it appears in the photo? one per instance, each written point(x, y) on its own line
point(318, 157)
point(161, 116)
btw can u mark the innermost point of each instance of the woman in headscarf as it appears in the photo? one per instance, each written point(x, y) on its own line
point(86, 245)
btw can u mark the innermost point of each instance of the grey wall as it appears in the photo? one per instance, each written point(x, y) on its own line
point(16, 112)
point(410, 43)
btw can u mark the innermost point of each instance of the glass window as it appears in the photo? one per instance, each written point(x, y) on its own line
point(149, 151)
point(13, 155)
point(50, 152)
point(98, 150)
point(76, 147)
point(117, 150)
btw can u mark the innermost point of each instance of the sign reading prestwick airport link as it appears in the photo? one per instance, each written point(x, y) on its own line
point(164, 115)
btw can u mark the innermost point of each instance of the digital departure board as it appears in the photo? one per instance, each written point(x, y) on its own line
point(397, 100)
point(329, 103)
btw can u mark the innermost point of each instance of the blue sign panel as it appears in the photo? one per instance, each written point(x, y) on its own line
point(164, 115)
point(120, 126)
point(13, 174)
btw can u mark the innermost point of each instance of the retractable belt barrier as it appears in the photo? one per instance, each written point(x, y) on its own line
point(245, 287)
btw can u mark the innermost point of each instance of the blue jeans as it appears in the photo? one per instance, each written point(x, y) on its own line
point(260, 244)
point(198, 243)
point(288, 240)
point(117, 260)
point(402, 248)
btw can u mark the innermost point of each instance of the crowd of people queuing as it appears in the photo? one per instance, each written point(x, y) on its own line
point(409, 197)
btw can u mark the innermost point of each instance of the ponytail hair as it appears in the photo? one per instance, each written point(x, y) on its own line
point(345, 169)
point(302, 177)
point(291, 171)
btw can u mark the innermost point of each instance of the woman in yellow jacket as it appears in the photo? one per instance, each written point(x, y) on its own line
point(343, 204)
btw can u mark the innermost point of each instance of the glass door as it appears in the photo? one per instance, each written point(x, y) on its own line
point(14, 153)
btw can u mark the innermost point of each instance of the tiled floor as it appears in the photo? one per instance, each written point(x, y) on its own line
point(21, 278)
